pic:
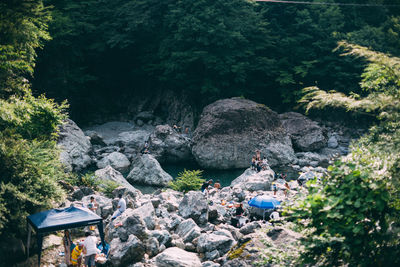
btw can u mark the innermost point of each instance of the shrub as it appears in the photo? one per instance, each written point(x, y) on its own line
point(108, 187)
point(89, 180)
point(187, 180)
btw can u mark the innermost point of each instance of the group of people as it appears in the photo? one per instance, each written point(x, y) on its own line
point(209, 184)
point(274, 183)
point(85, 250)
point(257, 163)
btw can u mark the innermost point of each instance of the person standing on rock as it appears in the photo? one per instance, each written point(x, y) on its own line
point(205, 185)
point(90, 249)
point(120, 208)
point(253, 163)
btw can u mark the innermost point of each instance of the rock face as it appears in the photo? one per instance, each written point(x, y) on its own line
point(75, 147)
point(169, 146)
point(188, 230)
point(147, 170)
point(254, 181)
point(109, 174)
point(194, 205)
point(124, 253)
point(221, 241)
point(306, 135)
point(176, 257)
point(116, 160)
point(230, 131)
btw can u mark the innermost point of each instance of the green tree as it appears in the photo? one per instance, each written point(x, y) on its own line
point(353, 216)
point(187, 180)
point(23, 28)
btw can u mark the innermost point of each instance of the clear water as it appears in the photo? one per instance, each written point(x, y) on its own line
point(224, 176)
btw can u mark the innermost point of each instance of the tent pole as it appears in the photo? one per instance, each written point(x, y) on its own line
point(28, 242)
point(39, 244)
point(101, 231)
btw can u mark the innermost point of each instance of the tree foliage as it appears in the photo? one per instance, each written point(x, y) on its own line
point(354, 215)
point(187, 180)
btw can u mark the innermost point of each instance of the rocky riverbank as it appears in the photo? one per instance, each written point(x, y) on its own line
point(167, 228)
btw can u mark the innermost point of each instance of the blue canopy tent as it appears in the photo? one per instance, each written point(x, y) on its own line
point(264, 202)
point(61, 219)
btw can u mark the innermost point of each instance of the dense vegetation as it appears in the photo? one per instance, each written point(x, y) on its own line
point(353, 216)
point(29, 165)
point(104, 53)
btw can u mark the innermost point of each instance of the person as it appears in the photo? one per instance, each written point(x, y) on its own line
point(239, 210)
point(274, 188)
point(176, 128)
point(145, 149)
point(67, 242)
point(76, 255)
point(90, 249)
point(217, 185)
point(287, 188)
point(253, 163)
point(274, 216)
point(92, 204)
point(120, 208)
point(258, 166)
point(206, 185)
point(264, 163)
point(258, 155)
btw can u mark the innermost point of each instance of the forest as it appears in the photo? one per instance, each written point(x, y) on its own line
point(80, 59)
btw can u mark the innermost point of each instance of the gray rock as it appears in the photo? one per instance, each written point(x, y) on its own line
point(124, 253)
point(212, 255)
point(188, 230)
point(306, 135)
point(116, 160)
point(132, 223)
point(166, 145)
point(193, 205)
point(109, 174)
point(176, 257)
point(139, 122)
point(147, 213)
point(95, 138)
point(147, 170)
point(230, 130)
point(75, 147)
point(152, 246)
point(250, 228)
point(210, 264)
point(254, 181)
point(332, 142)
point(145, 116)
point(220, 240)
point(163, 237)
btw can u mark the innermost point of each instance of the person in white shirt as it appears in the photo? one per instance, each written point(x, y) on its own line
point(274, 217)
point(90, 249)
point(120, 208)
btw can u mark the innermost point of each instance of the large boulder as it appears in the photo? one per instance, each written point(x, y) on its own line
point(147, 170)
point(125, 253)
point(254, 181)
point(188, 230)
point(230, 130)
point(132, 224)
point(194, 205)
point(75, 147)
point(176, 257)
point(116, 160)
point(306, 134)
point(221, 240)
point(109, 174)
point(147, 213)
point(166, 145)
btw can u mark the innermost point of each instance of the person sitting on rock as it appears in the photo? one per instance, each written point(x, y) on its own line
point(264, 164)
point(145, 149)
point(120, 208)
point(205, 185)
point(217, 185)
point(253, 163)
point(258, 166)
point(274, 217)
point(239, 210)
